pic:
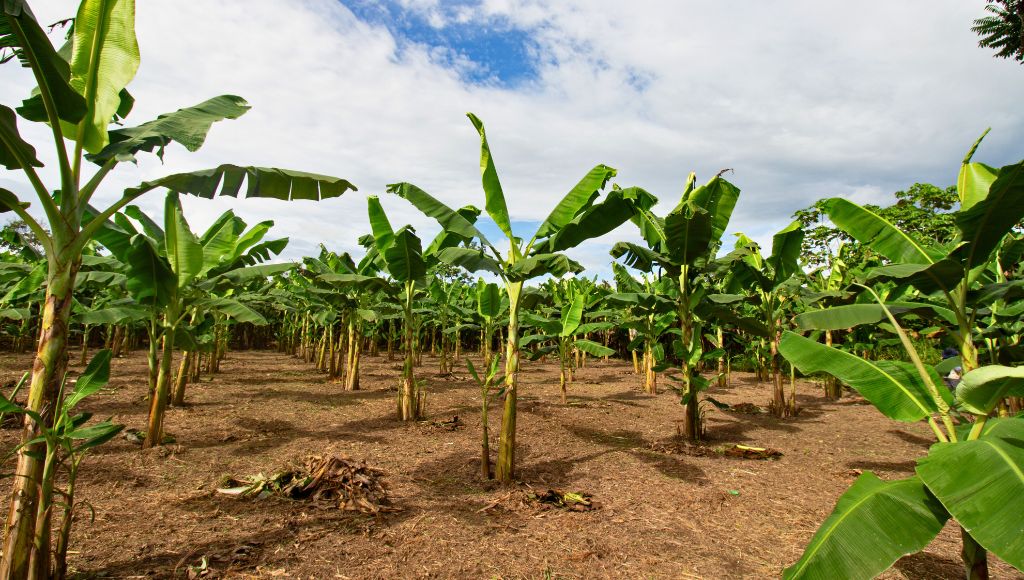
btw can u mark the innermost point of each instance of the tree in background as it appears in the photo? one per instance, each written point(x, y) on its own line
point(1003, 30)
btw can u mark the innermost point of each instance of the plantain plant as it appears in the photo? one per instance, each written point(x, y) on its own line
point(973, 473)
point(683, 245)
point(574, 219)
point(64, 442)
point(80, 92)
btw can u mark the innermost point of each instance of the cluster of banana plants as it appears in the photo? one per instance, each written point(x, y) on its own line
point(561, 330)
point(971, 290)
point(81, 96)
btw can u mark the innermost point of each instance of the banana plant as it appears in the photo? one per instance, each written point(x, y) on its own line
point(576, 218)
point(959, 278)
point(402, 255)
point(350, 290)
point(176, 275)
point(973, 473)
point(80, 92)
point(65, 443)
point(771, 285)
point(486, 384)
point(491, 304)
point(563, 332)
point(683, 245)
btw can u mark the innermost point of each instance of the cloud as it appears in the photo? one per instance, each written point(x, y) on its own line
point(802, 99)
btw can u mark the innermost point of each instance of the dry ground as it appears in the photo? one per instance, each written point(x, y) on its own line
point(661, 515)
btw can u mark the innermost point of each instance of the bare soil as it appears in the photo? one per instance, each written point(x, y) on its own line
point(662, 510)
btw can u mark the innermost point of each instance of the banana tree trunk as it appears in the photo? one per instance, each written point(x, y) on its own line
point(83, 359)
point(47, 370)
point(180, 380)
point(505, 468)
point(691, 420)
point(833, 389)
point(355, 346)
point(158, 403)
point(409, 399)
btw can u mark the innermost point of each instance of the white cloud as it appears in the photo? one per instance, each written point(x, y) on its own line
point(803, 99)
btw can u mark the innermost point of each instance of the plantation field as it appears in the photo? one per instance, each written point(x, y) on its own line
point(660, 514)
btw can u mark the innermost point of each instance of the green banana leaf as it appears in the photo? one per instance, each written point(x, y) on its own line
point(874, 524)
point(494, 197)
point(981, 389)
point(104, 59)
point(981, 483)
point(893, 387)
point(15, 153)
point(188, 126)
point(851, 315)
point(874, 231)
point(269, 182)
point(404, 257)
point(579, 198)
point(592, 348)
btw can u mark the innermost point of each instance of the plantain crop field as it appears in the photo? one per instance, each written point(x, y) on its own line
point(440, 388)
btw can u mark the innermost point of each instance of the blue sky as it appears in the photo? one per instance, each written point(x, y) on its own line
point(500, 53)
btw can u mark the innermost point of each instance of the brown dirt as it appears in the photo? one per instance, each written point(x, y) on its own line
point(661, 513)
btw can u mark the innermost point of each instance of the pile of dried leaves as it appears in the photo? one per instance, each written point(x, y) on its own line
point(567, 500)
point(747, 408)
point(680, 447)
point(330, 479)
point(745, 452)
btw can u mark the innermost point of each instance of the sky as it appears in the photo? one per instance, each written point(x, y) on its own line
point(801, 99)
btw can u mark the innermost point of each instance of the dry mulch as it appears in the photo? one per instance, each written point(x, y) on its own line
point(659, 513)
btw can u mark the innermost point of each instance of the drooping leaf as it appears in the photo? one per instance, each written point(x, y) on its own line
point(893, 387)
point(20, 31)
point(874, 524)
point(639, 257)
point(232, 309)
point(104, 59)
point(981, 389)
point(283, 184)
point(981, 483)
point(18, 152)
point(592, 348)
point(597, 220)
point(556, 265)
point(187, 126)
point(111, 315)
point(449, 219)
point(470, 259)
